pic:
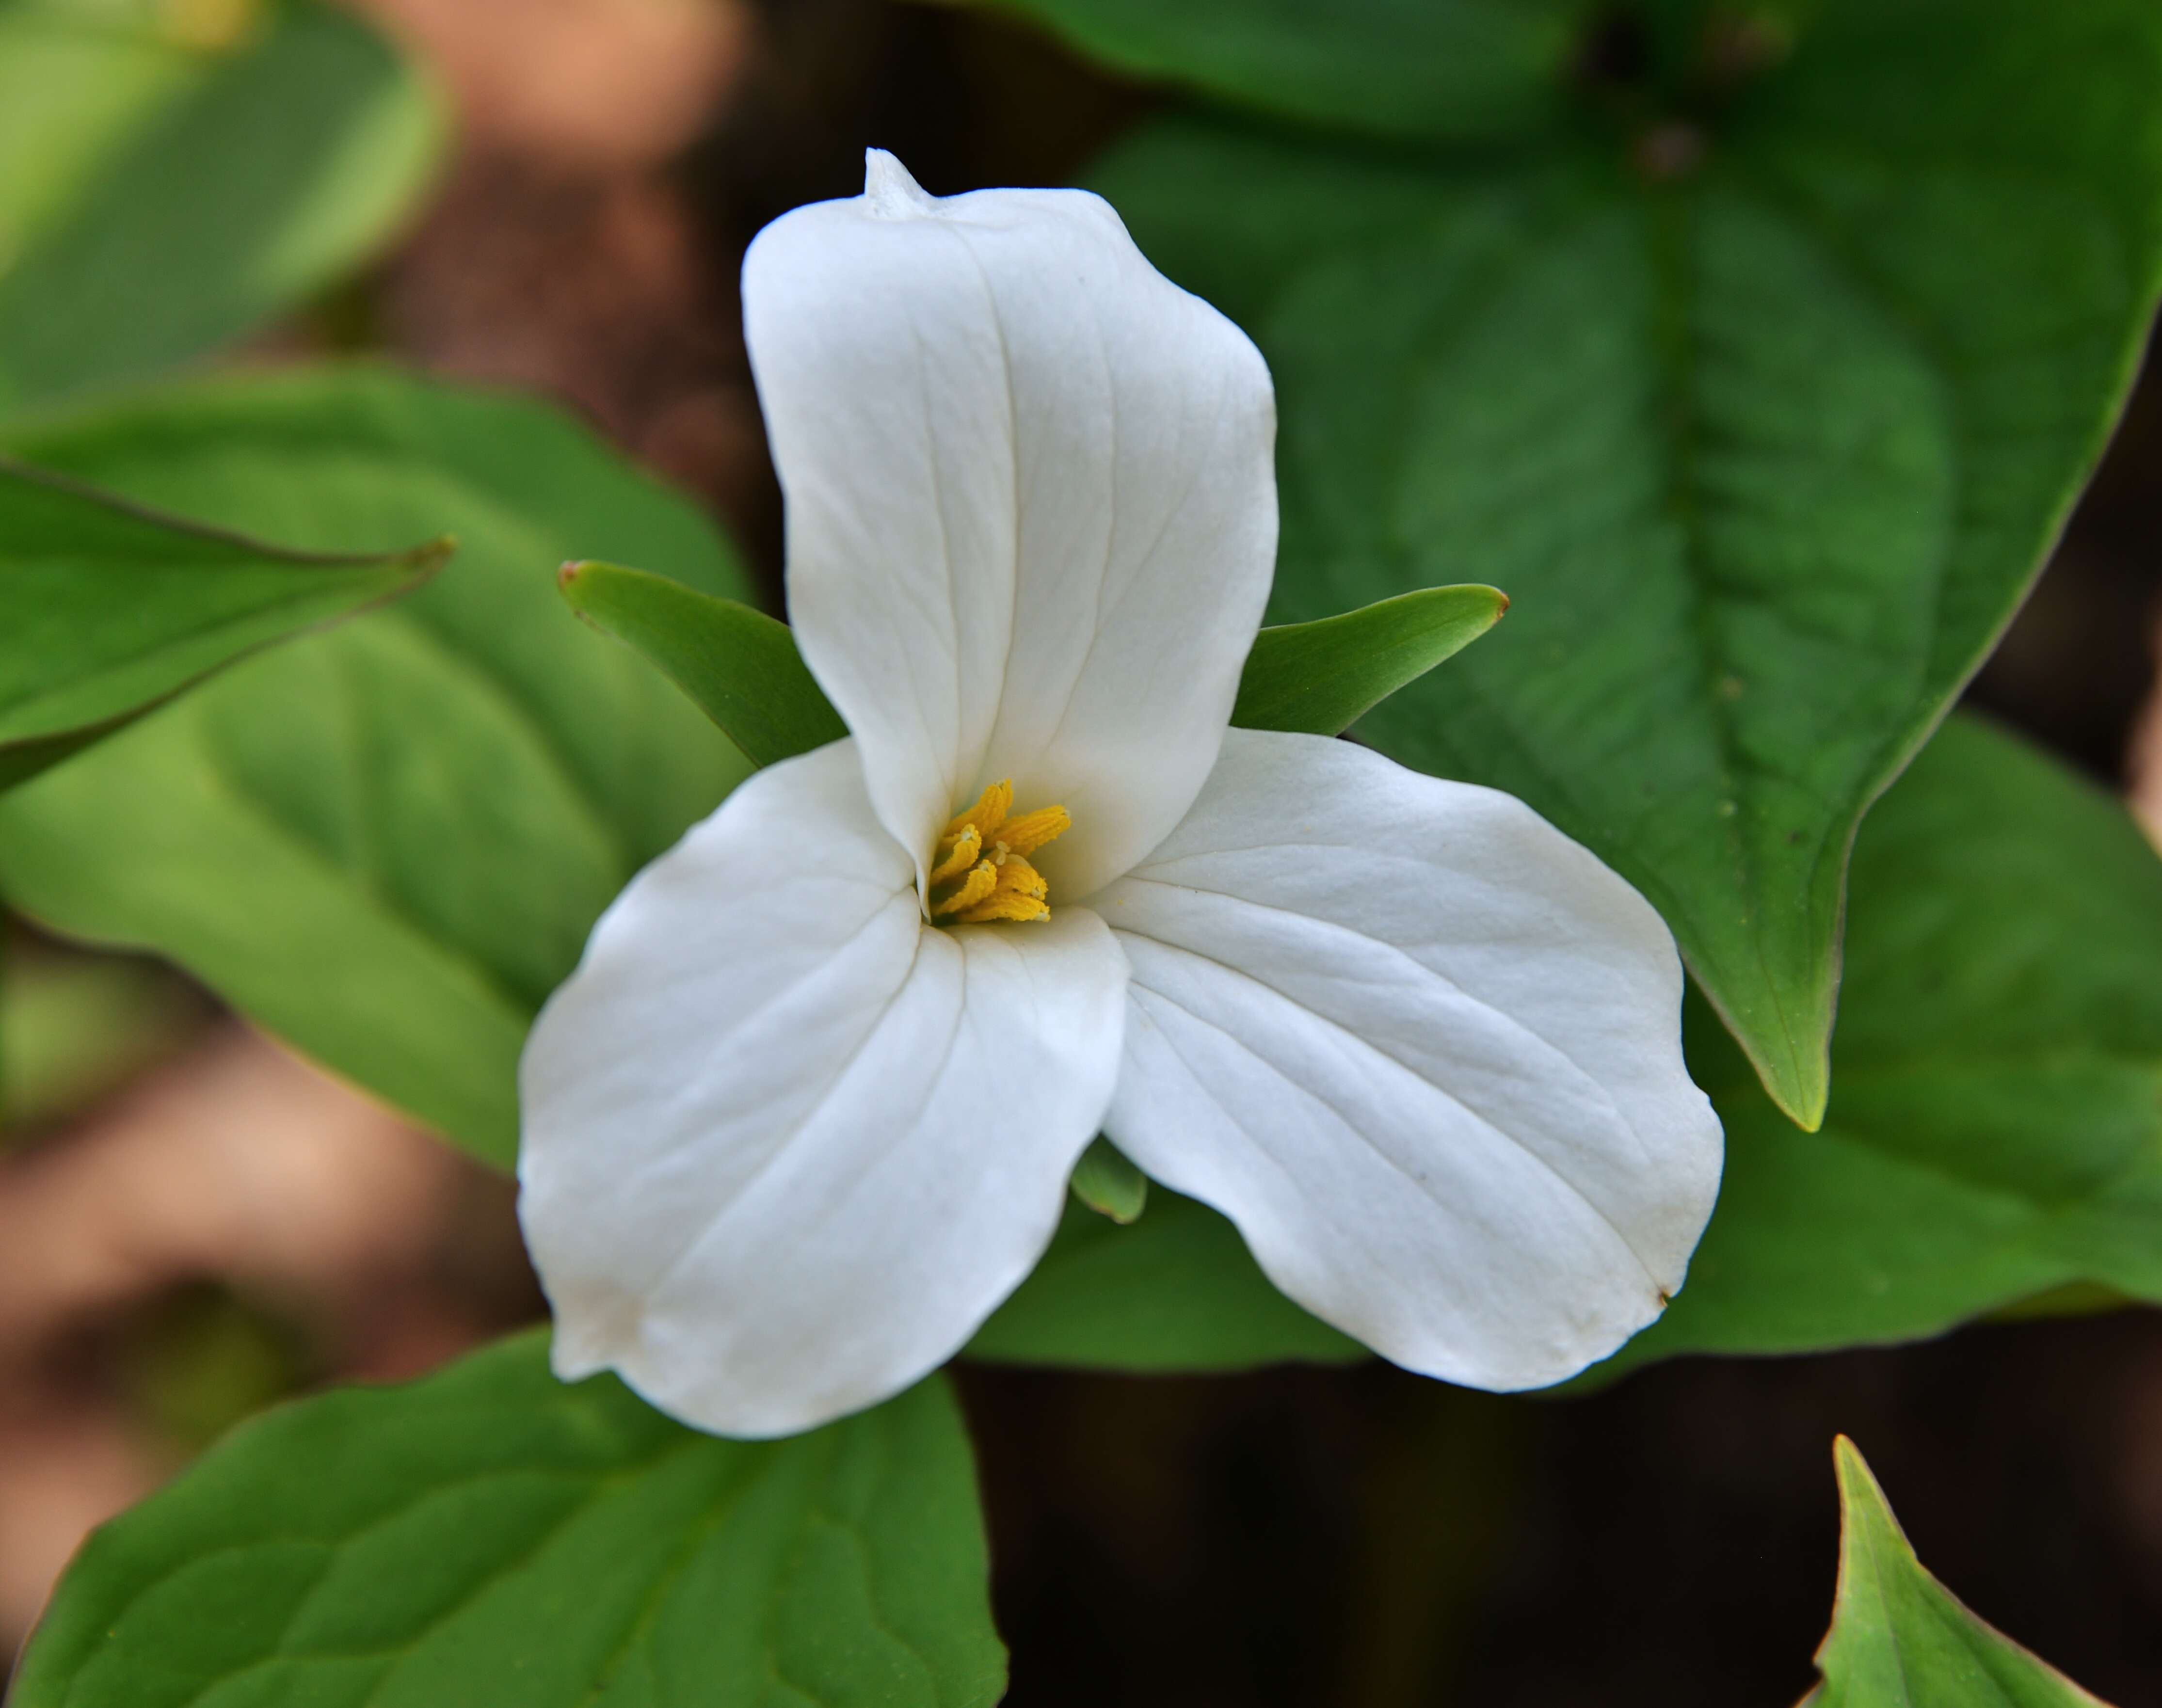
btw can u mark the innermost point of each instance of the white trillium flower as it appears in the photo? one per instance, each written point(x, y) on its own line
point(807, 1110)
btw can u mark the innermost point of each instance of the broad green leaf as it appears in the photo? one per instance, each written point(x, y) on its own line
point(493, 1538)
point(112, 609)
point(740, 665)
point(1175, 1291)
point(1106, 1181)
point(1765, 425)
point(1899, 1639)
point(1410, 68)
point(1996, 1122)
point(1322, 677)
point(173, 175)
point(385, 844)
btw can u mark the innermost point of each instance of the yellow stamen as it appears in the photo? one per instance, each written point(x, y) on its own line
point(956, 855)
point(983, 855)
point(1018, 893)
point(1013, 906)
point(1027, 834)
point(980, 882)
point(989, 813)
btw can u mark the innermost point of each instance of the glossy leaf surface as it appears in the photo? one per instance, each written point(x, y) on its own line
point(1409, 68)
point(385, 844)
point(1996, 1127)
point(172, 176)
point(1899, 1639)
point(111, 610)
point(1321, 677)
point(1175, 1291)
point(1763, 405)
point(491, 1536)
point(740, 665)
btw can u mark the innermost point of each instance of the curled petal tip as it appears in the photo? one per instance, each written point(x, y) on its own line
point(889, 189)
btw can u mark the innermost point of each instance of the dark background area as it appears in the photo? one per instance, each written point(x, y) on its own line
point(1302, 1537)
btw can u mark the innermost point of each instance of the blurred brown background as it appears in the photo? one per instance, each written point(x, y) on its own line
point(193, 1223)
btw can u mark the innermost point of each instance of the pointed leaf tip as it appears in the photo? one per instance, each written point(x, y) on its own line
point(116, 608)
point(1898, 1635)
point(1321, 677)
point(739, 665)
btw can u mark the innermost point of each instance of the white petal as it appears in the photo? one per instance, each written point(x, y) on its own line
point(1031, 504)
point(1424, 1050)
point(785, 1147)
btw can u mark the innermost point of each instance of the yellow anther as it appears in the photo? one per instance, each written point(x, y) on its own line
point(956, 855)
point(1018, 908)
point(989, 813)
point(982, 879)
point(1000, 883)
point(1027, 834)
point(1018, 892)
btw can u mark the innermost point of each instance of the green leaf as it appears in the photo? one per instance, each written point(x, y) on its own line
point(492, 1537)
point(1322, 677)
point(740, 665)
point(170, 177)
point(1765, 423)
point(1410, 68)
point(1109, 1184)
point(112, 609)
point(1996, 1125)
point(1898, 1636)
point(435, 801)
point(1176, 1291)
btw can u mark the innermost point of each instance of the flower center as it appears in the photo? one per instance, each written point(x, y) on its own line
point(981, 872)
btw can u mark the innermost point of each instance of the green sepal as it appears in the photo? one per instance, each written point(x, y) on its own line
point(114, 609)
point(1321, 677)
point(1898, 1636)
point(739, 665)
point(743, 670)
point(493, 1538)
point(1106, 1181)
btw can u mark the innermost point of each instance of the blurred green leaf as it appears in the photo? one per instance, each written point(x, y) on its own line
point(172, 176)
point(740, 665)
point(1107, 1181)
point(492, 1537)
point(1995, 1128)
point(385, 844)
point(1763, 399)
point(200, 1359)
point(75, 1027)
point(1453, 69)
point(112, 609)
point(1176, 1291)
point(1898, 1636)
point(1321, 677)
